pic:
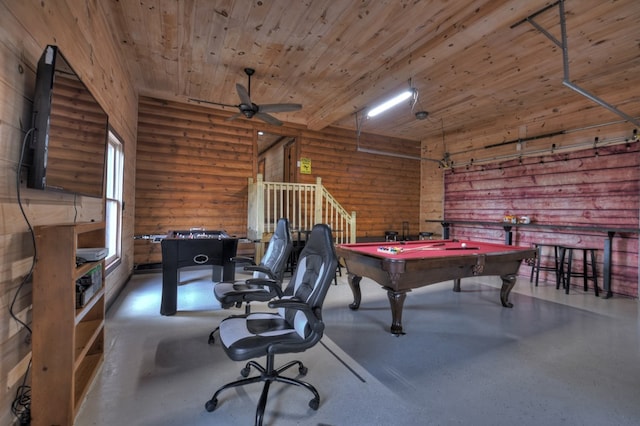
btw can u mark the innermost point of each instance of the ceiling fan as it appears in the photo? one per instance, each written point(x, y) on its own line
point(250, 109)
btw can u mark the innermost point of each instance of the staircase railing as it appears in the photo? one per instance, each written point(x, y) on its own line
point(304, 204)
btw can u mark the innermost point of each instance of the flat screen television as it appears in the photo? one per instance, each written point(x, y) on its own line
point(68, 147)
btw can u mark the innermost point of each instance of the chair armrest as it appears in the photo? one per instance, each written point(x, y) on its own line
point(263, 269)
point(290, 304)
point(266, 282)
point(242, 259)
point(314, 322)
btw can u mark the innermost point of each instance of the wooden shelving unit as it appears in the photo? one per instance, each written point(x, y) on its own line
point(68, 342)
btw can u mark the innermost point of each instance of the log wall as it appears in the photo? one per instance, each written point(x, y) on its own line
point(79, 28)
point(193, 168)
point(593, 187)
point(383, 190)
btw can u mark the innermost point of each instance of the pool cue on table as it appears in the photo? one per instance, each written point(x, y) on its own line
point(445, 248)
point(399, 249)
point(436, 247)
point(425, 247)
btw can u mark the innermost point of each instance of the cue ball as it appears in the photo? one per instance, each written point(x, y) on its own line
point(463, 245)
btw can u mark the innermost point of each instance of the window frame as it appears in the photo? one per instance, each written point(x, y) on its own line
point(114, 182)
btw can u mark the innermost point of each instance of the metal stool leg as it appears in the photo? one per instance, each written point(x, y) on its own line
point(536, 265)
point(585, 276)
point(595, 272)
point(538, 256)
point(569, 269)
point(556, 259)
point(560, 275)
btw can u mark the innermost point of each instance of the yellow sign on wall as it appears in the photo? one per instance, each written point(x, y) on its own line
point(305, 166)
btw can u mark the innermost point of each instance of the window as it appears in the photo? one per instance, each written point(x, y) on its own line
point(113, 213)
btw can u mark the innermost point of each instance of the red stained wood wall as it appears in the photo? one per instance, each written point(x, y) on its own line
point(594, 187)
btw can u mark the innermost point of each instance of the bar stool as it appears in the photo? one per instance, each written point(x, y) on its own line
point(425, 235)
point(391, 236)
point(588, 263)
point(405, 231)
point(537, 265)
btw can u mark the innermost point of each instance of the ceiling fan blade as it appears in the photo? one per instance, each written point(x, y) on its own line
point(202, 101)
point(243, 94)
point(279, 107)
point(268, 118)
point(234, 116)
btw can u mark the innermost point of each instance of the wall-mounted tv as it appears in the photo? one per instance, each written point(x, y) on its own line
point(68, 147)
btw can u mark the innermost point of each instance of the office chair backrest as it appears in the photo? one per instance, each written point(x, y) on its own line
point(278, 251)
point(312, 278)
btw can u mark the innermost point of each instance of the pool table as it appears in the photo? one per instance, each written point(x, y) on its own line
point(401, 266)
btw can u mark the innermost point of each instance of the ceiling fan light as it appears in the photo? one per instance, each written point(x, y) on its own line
point(390, 103)
point(421, 115)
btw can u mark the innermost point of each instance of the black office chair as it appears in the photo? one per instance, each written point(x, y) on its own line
point(296, 325)
point(266, 282)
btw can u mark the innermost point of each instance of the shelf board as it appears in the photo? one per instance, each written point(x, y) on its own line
point(84, 376)
point(82, 312)
point(85, 268)
point(87, 333)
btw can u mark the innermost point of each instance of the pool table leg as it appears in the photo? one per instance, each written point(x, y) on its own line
point(508, 281)
point(456, 285)
point(354, 284)
point(396, 300)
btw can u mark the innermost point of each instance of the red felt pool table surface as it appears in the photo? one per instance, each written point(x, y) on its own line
point(401, 266)
point(408, 250)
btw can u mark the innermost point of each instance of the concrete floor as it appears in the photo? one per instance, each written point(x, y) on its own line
point(553, 359)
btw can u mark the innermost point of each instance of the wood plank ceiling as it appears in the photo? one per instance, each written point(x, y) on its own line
point(475, 71)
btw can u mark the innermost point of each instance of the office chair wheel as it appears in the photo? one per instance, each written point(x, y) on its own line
point(313, 404)
point(303, 370)
point(213, 403)
point(245, 371)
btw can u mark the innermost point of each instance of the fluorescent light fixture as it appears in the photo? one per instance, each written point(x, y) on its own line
point(390, 103)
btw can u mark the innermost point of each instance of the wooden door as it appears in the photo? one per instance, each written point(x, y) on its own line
point(290, 161)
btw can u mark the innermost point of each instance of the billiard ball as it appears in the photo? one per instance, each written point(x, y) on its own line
point(463, 245)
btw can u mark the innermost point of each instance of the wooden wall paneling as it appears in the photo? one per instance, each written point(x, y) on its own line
point(582, 127)
point(594, 187)
point(383, 190)
point(17, 77)
point(16, 263)
point(587, 178)
point(80, 30)
point(192, 170)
